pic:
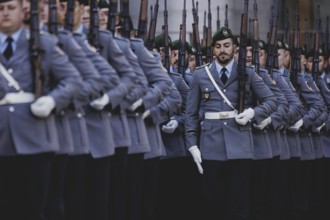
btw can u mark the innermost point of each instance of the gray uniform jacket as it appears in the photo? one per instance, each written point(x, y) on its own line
point(325, 132)
point(224, 139)
point(90, 89)
point(100, 133)
point(111, 52)
point(139, 137)
point(22, 132)
point(295, 112)
point(159, 86)
point(175, 142)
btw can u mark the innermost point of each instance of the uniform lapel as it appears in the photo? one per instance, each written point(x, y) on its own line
point(233, 75)
point(215, 74)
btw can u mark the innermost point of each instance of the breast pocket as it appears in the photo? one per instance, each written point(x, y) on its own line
point(208, 93)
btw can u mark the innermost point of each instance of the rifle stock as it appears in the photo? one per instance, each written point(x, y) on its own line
point(226, 17)
point(93, 35)
point(218, 17)
point(52, 18)
point(209, 56)
point(296, 50)
point(182, 52)
point(196, 39)
point(113, 5)
point(69, 16)
point(143, 18)
point(315, 65)
point(242, 58)
point(152, 28)
point(255, 45)
point(166, 39)
point(35, 50)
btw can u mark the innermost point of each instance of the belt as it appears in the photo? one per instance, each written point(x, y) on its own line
point(220, 115)
point(17, 97)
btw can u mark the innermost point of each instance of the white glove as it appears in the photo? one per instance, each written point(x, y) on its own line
point(263, 124)
point(196, 154)
point(296, 126)
point(146, 114)
point(99, 103)
point(135, 105)
point(318, 129)
point(43, 106)
point(245, 116)
point(170, 126)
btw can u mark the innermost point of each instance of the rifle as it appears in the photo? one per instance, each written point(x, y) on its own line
point(93, 35)
point(209, 56)
point(326, 47)
point(306, 37)
point(287, 27)
point(52, 18)
point(218, 17)
point(272, 44)
point(296, 50)
point(182, 52)
point(197, 44)
point(152, 28)
point(166, 39)
point(255, 44)
point(197, 13)
point(204, 31)
point(242, 58)
point(226, 17)
point(315, 65)
point(113, 5)
point(143, 18)
point(69, 17)
point(126, 18)
point(35, 49)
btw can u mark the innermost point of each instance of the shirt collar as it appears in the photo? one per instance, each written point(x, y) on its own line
point(229, 67)
point(80, 29)
point(15, 36)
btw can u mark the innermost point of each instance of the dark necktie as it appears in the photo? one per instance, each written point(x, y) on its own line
point(224, 75)
point(9, 49)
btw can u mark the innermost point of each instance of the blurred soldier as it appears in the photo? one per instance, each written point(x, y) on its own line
point(103, 14)
point(287, 56)
point(262, 53)
point(27, 151)
point(316, 188)
point(226, 166)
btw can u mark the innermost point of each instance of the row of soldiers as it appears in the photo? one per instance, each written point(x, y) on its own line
point(111, 135)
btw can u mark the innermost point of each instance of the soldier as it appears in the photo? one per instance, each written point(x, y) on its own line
point(227, 164)
point(28, 153)
point(103, 14)
point(287, 56)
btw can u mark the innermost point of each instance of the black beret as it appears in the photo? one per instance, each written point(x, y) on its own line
point(262, 45)
point(176, 46)
point(236, 40)
point(280, 45)
point(221, 34)
point(159, 41)
point(103, 4)
point(82, 2)
point(311, 52)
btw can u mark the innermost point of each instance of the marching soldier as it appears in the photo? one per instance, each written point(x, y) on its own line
point(223, 159)
point(28, 153)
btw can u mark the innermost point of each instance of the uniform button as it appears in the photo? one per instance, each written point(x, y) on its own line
point(10, 71)
point(224, 101)
point(224, 90)
point(109, 114)
point(136, 114)
point(225, 123)
point(79, 115)
point(11, 109)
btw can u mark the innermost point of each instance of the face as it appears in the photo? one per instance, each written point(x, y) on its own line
point(78, 11)
point(43, 11)
point(249, 55)
point(26, 11)
point(287, 59)
point(86, 16)
point(162, 54)
point(224, 51)
point(262, 57)
point(174, 58)
point(61, 11)
point(281, 55)
point(103, 18)
point(320, 66)
point(192, 62)
point(11, 16)
point(303, 62)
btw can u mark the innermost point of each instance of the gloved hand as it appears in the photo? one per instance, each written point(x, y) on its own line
point(43, 106)
point(196, 154)
point(318, 129)
point(146, 114)
point(170, 126)
point(263, 124)
point(245, 116)
point(135, 105)
point(99, 103)
point(296, 126)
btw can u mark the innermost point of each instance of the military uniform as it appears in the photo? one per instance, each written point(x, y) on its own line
point(226, 147)
point(26, 150)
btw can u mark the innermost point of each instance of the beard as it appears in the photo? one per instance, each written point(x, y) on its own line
point(224, 58)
